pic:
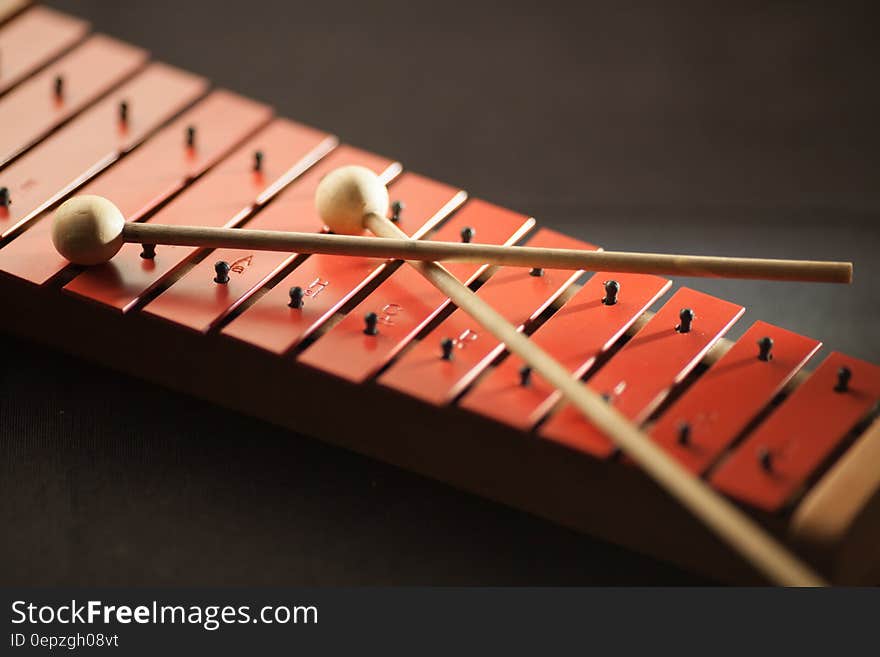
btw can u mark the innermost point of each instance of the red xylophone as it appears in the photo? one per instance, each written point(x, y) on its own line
point(293, 339)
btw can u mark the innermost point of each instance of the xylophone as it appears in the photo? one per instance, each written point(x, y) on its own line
point(291, 338)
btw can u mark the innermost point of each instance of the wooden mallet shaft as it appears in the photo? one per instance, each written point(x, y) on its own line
point(88, 230)
point(767, 555)
point(510, 256)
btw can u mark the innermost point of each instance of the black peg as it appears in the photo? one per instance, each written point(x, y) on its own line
point(844, 374)
point(258, 161)
point(446, 347)
point(221, 268)
point(765, 346)
point(525, 376)
point(191, 136)
point(687, 317)
point(536, 271)
point(684, 434)
point(612, 289)
point(396, 208)
point(371, 324)
point(606, 397)
point(296, 297)
point(148, 251)
point(5, 200)
point(467, 234)
point(765, 458)
point(123, 111)
point(59, 87)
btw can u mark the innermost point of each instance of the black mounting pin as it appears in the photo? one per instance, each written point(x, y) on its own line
point(536, 271)
point(371, 324)
point(296, 297)
point(765, 346)
point(123, 111)
point(191, 136)
point(606, 397)
point(221, 268)
point(396, 208)
point(684, 434)
point(525, 376)
point(687, 317)
point(446, 347)
point(148, 251)
point(844, 374)
point(59, 87)
point(612, 289)
point(258, 161)
point(5, 200)
point(467, 234)
point(765, 458)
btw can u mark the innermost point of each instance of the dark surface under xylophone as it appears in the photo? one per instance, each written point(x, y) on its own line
point(746, 131)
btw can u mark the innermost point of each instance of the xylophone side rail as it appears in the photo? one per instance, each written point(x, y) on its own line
point(838, 520)
point(608, 499)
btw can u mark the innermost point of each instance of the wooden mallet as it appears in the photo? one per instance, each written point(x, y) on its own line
point(352, 199)
point(89, 230)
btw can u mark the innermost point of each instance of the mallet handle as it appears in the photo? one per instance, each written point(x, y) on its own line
point(511, 256)
point(730, 524)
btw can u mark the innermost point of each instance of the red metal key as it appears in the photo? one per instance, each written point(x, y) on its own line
point(225, 196)
point(37, 106)
point(575, 336)
point(327, 283)
point(32, 40)
point(93, 141)
point(150, 175)
point(710, 414)
point(406, 302)
point(198, 302)
point(775, 461)
point(437, 377)
point(640, 376)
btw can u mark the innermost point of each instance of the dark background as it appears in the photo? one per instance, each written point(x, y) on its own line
point(739, 128)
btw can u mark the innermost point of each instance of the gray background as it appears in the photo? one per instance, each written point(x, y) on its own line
point(737, 128)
